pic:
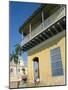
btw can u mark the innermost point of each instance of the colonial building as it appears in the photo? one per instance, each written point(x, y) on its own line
point(44, 41)
point(17, 73)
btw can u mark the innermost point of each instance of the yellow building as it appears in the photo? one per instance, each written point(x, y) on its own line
point(44, 40)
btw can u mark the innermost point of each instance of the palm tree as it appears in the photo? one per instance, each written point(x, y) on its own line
point(14, 57)
point(18, 49)
point(18, 52)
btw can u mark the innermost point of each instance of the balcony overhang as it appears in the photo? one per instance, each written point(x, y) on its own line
point(51, 31)
point(46, 8)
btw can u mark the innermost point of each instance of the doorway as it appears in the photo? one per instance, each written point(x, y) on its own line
point(36, 68)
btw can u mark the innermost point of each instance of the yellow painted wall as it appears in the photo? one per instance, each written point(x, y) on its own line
point(43, 52)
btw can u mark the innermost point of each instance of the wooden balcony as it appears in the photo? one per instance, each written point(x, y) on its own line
point(48, 28)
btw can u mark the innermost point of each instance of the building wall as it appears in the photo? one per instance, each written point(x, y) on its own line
point(15, 75)
point(43, 52)
point(17, 72)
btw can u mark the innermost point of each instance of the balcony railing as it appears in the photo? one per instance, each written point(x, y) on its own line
point(44, 25)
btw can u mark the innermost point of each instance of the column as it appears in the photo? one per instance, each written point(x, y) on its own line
point(22, 38)
point(43, 18)
point(30, 30)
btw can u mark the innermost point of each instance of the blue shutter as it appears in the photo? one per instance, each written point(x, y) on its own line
point(56, 62)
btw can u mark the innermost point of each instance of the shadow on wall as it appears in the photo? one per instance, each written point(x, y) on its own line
point(37, 50)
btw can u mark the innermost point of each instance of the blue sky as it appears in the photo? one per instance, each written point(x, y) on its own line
point(18, 13)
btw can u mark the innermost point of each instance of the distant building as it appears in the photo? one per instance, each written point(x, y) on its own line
point(44, 40)
point(17, 72)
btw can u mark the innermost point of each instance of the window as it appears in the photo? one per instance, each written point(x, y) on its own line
point(11, 70)
point(23, 69)
point(56, 62)
point(18, 70)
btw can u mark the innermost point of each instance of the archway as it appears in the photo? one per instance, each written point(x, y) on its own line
point(36, 68)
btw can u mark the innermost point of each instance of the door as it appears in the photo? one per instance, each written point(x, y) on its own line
point(36, 68)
